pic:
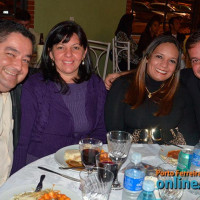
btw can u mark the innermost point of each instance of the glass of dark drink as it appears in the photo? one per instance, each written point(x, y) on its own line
point(89, 148)
point(104, 161)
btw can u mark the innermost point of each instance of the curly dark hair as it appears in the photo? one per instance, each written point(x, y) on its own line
point(63, 31)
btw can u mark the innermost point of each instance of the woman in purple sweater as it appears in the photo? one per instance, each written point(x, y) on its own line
point(64, 102)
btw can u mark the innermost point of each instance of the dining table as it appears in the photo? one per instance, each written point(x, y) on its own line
point(30, 174)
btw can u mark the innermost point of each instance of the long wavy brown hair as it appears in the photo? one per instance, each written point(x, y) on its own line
point(136, 93)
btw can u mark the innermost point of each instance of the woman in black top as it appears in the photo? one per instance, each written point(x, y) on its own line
point(151, 98)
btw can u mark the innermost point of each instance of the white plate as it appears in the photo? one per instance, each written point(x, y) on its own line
point(165, 149)
point(59, 155)
point(9, 194)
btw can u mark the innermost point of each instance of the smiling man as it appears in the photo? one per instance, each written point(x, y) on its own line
point(191, 77)
point(16, 45)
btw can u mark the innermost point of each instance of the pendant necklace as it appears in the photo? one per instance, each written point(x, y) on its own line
point(151, 93)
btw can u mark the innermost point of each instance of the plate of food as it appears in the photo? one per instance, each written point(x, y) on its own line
point(169, 154)
point(26, 192)
point(69, 156)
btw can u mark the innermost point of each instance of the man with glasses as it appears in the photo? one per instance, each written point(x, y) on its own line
point(16, 46)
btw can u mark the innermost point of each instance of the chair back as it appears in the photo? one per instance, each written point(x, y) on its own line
point(100, 51)
point(118, 48)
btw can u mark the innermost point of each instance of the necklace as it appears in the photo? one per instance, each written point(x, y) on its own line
point(150, 93)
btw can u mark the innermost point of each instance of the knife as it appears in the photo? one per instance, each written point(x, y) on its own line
point(71, 167)
point(63, 175)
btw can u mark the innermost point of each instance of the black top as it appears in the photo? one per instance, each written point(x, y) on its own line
point(120, 116)
point(192, 83)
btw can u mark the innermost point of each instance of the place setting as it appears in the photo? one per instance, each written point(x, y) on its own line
point(90, 168)
point(39, 191)
point(96, 162)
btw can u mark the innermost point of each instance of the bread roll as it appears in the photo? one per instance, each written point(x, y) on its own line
point(72, 154)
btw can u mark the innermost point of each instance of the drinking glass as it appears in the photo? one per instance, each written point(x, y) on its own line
point(89, 148)
point(103, 160)
point(168, 193)
point(119, 143)
point(96, 185)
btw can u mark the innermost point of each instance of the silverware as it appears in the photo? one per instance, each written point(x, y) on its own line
point(39, 186)
point(71, 167)
point(169, 143)
point(63, 175)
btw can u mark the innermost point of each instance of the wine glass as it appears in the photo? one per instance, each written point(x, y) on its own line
point(89, 148)
point(119, 143)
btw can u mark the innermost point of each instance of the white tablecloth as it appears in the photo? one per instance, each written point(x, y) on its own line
point(30, 174)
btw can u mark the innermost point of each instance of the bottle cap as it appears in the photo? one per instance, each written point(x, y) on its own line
point(136, 158)
point(148, 185)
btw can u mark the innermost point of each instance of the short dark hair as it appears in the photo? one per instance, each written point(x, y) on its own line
point(23, 15)
point(63, 31)
point(171, 21)
point(192, 40)
point(7, 27)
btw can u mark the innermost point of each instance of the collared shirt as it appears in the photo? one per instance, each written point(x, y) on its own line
point(6, 136)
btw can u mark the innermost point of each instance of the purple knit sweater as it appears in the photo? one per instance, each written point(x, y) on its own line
point(47, 124)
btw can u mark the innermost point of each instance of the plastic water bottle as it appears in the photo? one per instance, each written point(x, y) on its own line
point(133, 178)
point(147, 193)
point(195, 166)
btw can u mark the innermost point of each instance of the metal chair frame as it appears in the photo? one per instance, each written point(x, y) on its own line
point(99, 49)
point(118, 47)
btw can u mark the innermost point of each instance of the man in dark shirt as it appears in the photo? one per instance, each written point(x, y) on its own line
point(191, 77)
point(16, 45)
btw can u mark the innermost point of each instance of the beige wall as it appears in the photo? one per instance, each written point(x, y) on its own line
point(98, 18)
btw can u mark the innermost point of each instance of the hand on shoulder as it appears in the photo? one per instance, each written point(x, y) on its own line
point(110, 78)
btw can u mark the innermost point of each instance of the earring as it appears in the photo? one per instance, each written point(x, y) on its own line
point(83, 63)
point(52, 63)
